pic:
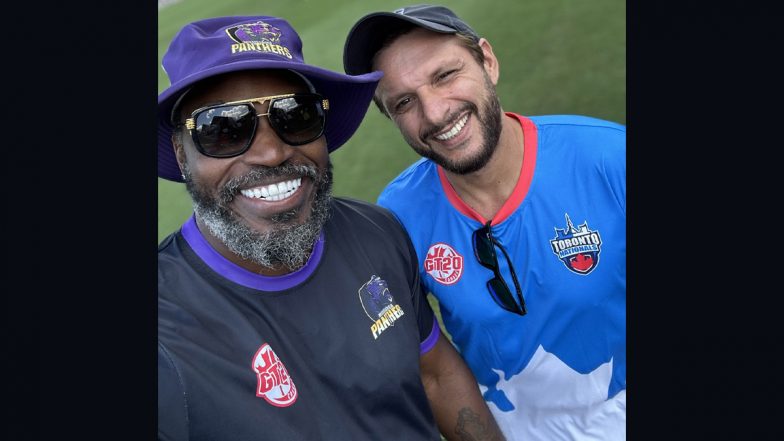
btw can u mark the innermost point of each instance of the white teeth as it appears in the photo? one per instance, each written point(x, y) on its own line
point(274, 192)
point(454, 131)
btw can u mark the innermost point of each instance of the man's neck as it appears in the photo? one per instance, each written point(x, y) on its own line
point(486, 190)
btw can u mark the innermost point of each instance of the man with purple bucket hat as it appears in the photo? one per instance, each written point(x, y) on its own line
point(285, 313)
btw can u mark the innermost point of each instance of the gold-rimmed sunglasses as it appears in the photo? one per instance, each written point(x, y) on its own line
point(227, 129)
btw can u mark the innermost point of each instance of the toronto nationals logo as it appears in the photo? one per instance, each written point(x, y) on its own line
point(578, 248)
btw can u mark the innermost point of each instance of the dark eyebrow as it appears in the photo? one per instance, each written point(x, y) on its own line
point(452, 65)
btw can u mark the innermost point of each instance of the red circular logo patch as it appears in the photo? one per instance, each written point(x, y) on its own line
point(444, 264)
point(274, 383)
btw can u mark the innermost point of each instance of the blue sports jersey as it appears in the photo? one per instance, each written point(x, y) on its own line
point(558, 372)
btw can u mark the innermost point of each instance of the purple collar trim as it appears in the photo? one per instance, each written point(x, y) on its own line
point(240, 275)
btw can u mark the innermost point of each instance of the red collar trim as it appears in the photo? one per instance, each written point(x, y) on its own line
point(523, 182)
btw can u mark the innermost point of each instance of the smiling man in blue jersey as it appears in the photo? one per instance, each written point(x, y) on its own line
point(519, 225)
point(285, 313)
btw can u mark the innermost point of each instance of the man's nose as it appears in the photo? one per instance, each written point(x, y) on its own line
point(266, 147)
point(434, 104)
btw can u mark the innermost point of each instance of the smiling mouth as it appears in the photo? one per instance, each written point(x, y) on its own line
point(451, 133)
point(273, 192)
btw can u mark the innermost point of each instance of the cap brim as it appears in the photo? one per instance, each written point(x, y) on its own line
point(349, 99)
point(367, 35)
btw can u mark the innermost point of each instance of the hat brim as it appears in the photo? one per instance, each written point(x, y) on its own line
point(366, 36)
point(349, 99)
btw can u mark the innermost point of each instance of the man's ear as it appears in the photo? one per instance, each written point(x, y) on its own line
point(179, 149)
point(491, 62)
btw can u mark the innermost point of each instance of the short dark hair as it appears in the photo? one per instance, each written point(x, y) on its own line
point(465, 40)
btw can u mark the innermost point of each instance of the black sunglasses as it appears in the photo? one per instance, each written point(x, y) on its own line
point(484, 249)
point(227, 130)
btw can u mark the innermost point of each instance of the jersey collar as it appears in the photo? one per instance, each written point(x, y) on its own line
point(523, 182)
point(239, 275)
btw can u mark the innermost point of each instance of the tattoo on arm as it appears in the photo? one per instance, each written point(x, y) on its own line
point(470, 427)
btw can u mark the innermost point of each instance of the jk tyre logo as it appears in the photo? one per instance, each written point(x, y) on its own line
point(443, 264)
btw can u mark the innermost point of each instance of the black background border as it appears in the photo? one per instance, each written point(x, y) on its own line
point(79, 225)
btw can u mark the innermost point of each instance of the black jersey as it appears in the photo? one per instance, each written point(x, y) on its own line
point(329, 352)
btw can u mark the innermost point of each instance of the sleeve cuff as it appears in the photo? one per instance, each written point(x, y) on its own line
point(431, 339)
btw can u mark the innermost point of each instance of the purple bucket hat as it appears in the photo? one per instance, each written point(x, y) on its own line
point(214, 46)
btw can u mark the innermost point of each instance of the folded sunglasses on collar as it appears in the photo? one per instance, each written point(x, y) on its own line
point(484, 249)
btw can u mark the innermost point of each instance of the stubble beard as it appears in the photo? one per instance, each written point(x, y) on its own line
point(490, 122)
point(288, 244)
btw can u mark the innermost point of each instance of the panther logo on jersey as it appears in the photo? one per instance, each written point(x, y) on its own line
point(443, 264)
point(274, 383)
point(578, 248)
point(379, 305)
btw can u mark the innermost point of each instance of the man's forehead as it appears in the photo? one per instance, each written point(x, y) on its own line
point(416, 49)
point(417, 39)
point(401, 78)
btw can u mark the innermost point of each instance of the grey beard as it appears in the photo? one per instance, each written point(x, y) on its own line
point(489, 121)
point(287, 245)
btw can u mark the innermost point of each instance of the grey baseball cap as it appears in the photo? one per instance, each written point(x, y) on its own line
point(369, 33)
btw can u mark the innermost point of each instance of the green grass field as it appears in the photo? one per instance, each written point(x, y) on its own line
point(556, 56)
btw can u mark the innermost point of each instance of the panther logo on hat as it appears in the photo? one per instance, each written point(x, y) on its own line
point(259, 31)
point(257, 37)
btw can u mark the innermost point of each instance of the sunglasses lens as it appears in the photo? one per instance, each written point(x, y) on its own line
point(484, 249)
point(501, 294)
point(224, 131)
point(299, 119)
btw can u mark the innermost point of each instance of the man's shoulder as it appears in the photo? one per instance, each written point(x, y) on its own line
point(365, 219)
point(592, 139)
point(347, 203)
point(170, 249)
point(576, 121)
point(355, 210)
point(172, 260)
point(166, 244)
point(417, 177)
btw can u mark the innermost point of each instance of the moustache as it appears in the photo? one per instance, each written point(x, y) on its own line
point(259, 175)
point(448, 121)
